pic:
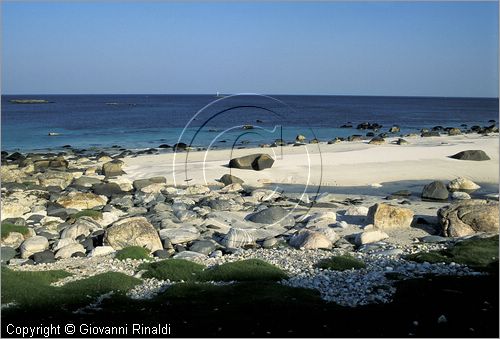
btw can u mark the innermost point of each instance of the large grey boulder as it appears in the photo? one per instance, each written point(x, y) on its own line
point(310, 240)
point(33, 245)
point(272, 215)
point(257, 162)
point(180, 235)
point(436, 190)
point(384, 216)
point(135, 231)
point(237, 238)
point(474, 155)
point(82, 226)
point(468, 217)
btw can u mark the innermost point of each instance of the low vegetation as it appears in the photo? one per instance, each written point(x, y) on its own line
point(8, 228)
point(341, 263)
point(172, 269)
point(245, 270)
point(479, 253)
point(33, 289)
point(133, 252)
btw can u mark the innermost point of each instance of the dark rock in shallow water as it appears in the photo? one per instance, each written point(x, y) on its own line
point(44, 257)
point(180, 146)
point(436, 190)
point(474, 155)
point(256, 162)
point(228, 179)
point(15, 156)
point(164, 146)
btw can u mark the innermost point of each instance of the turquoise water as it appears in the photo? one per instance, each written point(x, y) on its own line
point(144, 121)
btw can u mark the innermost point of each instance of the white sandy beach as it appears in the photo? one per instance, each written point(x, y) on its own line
point(343, 164)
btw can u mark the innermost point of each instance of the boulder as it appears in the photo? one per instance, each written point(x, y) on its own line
point(180, 235)
point(112, 168)
point(369, 237)
point(203, 246)
point(7, 253)
point(356, 211)
point(272, 215)
point(237, 238)
point(377, 141)
point(44, 257)
point(310, 240)
point(81, 201)
point(462, 184)
point(68, 250)
point(100, 251)
point(107, 189)
point(33, 245)
point(134, 231)
point(85, 181)
point(474, 155)
point(401, 141)
point(13, 209)
point(436, 190)
point(256, 162)
point(454, 131)
point(140, 183)
point(457, 195)
point(384, 216)
point(394, 129)
point(55, 179)
point(82, 227)
point(228, 179)
point(468, 217)
point(321, 219)
point(300, 138)
point(13, 239)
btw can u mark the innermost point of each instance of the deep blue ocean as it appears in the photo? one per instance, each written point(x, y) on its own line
point(145, 121)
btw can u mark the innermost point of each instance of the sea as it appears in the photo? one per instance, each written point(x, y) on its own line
point(220, 121)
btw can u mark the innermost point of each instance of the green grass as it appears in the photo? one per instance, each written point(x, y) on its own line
point(8, 228)
point(476, 253)
point(341, 263)
point(33, 289)
point(133, 252)
point(87, 213)
point(245, 270)
point(173, 269)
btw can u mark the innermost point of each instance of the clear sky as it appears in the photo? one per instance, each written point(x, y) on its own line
point(388, 48)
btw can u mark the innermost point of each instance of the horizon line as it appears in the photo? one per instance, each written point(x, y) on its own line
point(275, 94)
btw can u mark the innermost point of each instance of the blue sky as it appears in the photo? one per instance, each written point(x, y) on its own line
point(387, 48)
